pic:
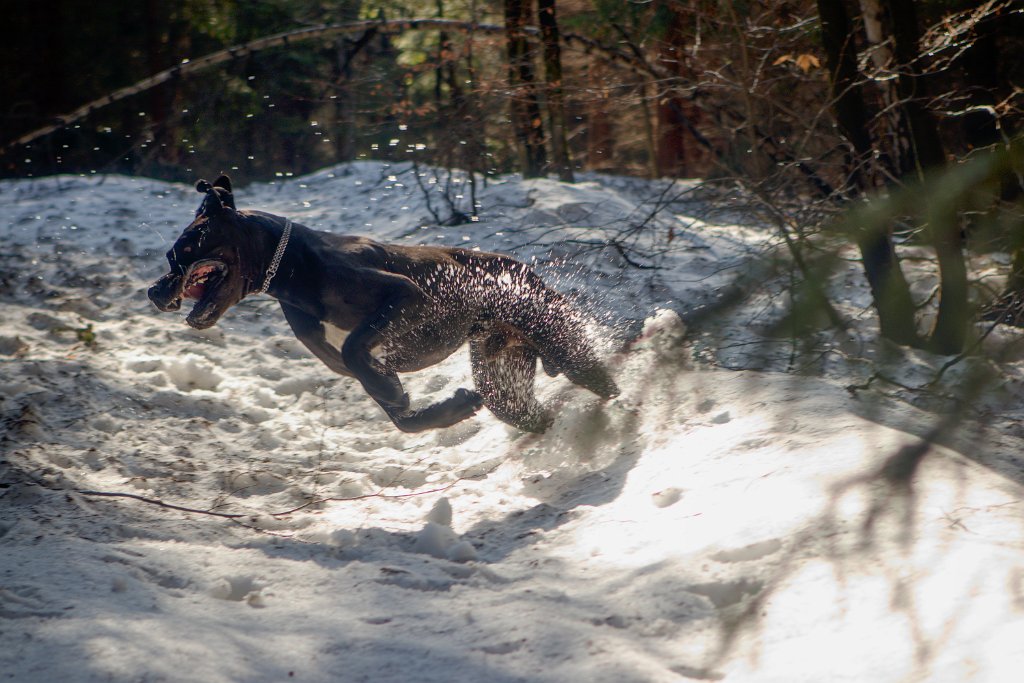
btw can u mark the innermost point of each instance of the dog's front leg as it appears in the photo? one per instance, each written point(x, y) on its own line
point(452, 410)
point(310, 331)
point(381, 382)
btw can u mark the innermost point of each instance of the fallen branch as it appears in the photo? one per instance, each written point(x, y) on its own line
point(284, 513)
point(287, 38)
point(159, 503)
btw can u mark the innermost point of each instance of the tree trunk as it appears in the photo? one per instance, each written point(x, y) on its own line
point(981, 64)
point(949, 334)
point(911, 84)
point(442, 47)
point(470, 114)
point(889, 289)
point(893, 158)
point(679, 142)
point(600, 138)
point(527, 123)
point(555, 98)
point(344, 133)
point(161, 99)
point(671, 121)
point(649, 141)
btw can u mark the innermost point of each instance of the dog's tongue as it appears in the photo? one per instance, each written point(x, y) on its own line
point(196, 286)
point(195, 291)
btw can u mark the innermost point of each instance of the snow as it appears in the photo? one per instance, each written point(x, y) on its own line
point(708, 524)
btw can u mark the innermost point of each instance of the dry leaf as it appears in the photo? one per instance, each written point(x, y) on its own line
point(807, 62)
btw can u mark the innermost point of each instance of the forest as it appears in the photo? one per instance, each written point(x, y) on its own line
point(793, 231)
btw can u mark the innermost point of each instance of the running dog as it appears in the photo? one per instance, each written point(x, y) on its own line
point(370, 310)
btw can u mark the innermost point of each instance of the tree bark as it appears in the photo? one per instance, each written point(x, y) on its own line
point(671, 122)
point(344, 106)
point(892, 138)
point(949, 334)
point(981, 64)
point(649, 134)
point(553, 87)
point(527, 123)
point(912, 86)
point(681, 149)
point(889, 289)
point(600, 133)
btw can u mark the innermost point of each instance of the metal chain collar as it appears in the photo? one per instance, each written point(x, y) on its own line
point(276, 261)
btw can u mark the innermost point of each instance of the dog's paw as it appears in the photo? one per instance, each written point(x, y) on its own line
point(463, 404)
point(468, 397)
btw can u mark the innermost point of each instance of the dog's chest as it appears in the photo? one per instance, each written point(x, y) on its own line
point(335, 336)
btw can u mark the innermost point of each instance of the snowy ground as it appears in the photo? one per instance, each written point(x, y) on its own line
point(709, 524)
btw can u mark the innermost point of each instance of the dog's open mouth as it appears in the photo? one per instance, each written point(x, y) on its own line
point(201, 283)
point(201, 276)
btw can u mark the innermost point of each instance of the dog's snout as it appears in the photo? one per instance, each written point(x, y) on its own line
point(163, 296)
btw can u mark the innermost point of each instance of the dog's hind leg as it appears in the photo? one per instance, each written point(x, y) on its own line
point(558, 333)
point(503, 372)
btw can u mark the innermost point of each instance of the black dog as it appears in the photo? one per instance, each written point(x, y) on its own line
point(402, 308)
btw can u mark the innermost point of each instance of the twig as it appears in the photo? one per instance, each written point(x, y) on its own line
point(618, 246)
point(965, 353)
point(157, 502)
point(229, 515)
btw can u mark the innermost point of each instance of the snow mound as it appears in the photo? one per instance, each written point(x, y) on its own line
point(191, 373)
point(437, 539)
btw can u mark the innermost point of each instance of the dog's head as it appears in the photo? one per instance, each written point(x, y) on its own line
point(206, 262)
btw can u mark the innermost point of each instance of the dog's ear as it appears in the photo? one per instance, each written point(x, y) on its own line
point(223, 183)
point(218, 195)
point(212, 204)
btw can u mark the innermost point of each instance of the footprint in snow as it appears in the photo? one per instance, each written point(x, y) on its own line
point(748, 553)
point(503, 648)
point(722, 418)
point(666, 497)
point(724, 594)
point(18, 602)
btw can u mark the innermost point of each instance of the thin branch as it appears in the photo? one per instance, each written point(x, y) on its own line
point(621, 249)
point(966, 352)
point(288, 38)
point(158, 503)
point(232, 515)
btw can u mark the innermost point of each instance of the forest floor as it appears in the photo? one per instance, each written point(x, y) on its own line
point(728, 517)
